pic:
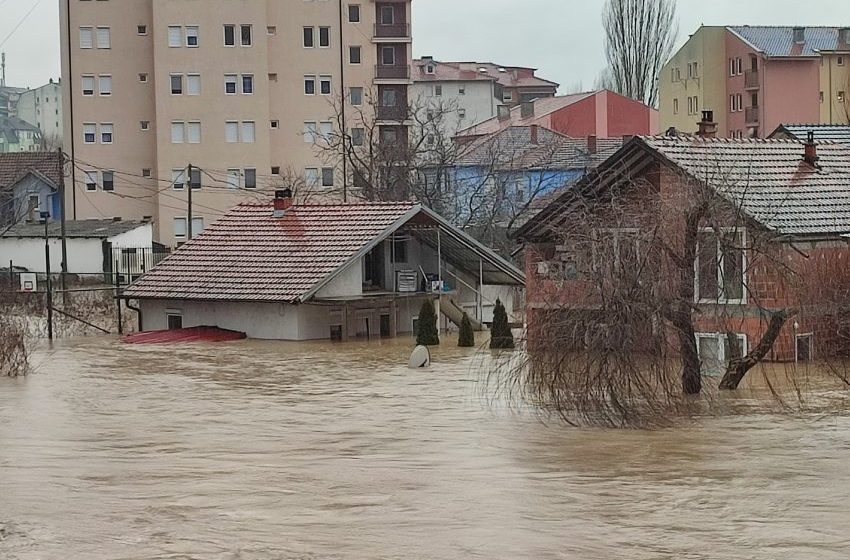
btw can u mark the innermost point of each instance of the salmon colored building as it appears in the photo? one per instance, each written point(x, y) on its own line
point(755, 78)
point(602, 113)
point(793, 197)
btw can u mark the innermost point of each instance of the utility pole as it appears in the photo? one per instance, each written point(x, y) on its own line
point(49, 295)
point(62, 222)
point(189, 211)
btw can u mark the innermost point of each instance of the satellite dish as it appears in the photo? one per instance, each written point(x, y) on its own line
point(420, 358)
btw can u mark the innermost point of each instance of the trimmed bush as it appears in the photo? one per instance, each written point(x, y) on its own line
point(426, 334)
point(501, 336)
point(466, 338)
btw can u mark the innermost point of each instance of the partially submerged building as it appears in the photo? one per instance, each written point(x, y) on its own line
point(29, 185)
point(304, 272)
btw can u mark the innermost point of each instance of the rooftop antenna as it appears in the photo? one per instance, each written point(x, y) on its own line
point(2, 69)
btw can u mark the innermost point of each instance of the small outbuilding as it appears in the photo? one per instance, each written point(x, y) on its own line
point(309, 272)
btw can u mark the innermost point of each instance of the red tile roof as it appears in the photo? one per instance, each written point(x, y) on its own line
point(16, 165)
point(249, 255)
point(542, 106)
point(507, 76)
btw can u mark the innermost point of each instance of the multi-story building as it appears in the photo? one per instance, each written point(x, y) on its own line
point(17, 135)
point(755, 78)
point(242, 93)
point(42, 107)
point(473, 91)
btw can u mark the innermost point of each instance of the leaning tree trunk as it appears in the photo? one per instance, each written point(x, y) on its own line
point(738, 366)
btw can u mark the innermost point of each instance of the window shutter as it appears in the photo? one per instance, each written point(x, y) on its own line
point(177, 132)
point(248, 132)
point(103, 38)
point(194, 133)
point(233, 177)
point(86, 38)
point(193, 84)
point(175, 36)
point(231, 132)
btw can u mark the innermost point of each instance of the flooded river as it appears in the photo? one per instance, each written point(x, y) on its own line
point(313, 451)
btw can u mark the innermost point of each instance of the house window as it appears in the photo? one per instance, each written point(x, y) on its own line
point(86, 37)
point(247, 84)
point(271, 30)
point(309, 40)
point(354, 13)
point(275, 170)
point(357, 136)
point(193, 84)
point(618, 248)
point(143, 77)
point(176, 84)
point(325, 85)
point(108, 180)
point(841, 97)
point(388, 98)
point(507, 96)
point(311, 177)
point(88, 85)
point(715, 352)
point(106, 130)
point(197, 226)
point(180, 227)
point(354, 55)
point(309, 85)
point(231, 132)
point(327, 177)
point(194, 132)
point(820, 97)
point(461, 113)
point(720, 267)
point(388, 56)
point(675, 106)
point(230, 84)
point(195, 178)
point(103, 38)
point(191, 35)
point(175, 36)
point(804, 347)
point(311, 132)
point(146, 172)
point(141, 29)
point(246, 35)
point(840, 61)
point(438, 90)
point(105, 83)
point(324, 37)
point(250, 178)
point(387, 15)
point(234, 177)
point(178, 179)
point(399, 248)
point(91, 181)
point(326, 130)
point(229, 35)
point(274, 123)
point(89, 133)
point(249, 131)
point(174, 320)
point(178, 132)
point(356, 95)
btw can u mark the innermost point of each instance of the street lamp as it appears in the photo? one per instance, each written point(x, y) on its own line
point(45, 217)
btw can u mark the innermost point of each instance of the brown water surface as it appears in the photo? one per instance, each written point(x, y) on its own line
point(316, 451)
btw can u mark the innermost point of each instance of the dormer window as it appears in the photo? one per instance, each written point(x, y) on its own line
point(429, 69)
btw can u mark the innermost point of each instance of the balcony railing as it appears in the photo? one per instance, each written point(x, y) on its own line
point(395, 72)
point(751, 79)
point(391, 113)
point(392, 30)
point(752, 115)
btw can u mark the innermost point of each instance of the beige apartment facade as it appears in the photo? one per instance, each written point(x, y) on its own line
point(243, 93)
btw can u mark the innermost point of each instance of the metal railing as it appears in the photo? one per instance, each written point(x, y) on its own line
point(751, 115)
point(392, 30)
point(751, 79)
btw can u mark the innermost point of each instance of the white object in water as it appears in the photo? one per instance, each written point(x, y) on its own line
point(420, 358)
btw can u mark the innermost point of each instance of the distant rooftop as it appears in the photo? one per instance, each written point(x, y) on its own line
point(506, 76)
point(823, 132)
point(15, 166)
point(778, 41)
point(80, 229)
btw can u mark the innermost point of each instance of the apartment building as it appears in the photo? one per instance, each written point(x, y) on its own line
point(242, 93)
point(755, 78)
point(471, 92)
point(42, 107)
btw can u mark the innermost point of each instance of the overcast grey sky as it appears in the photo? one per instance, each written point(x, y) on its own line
point(563, 38)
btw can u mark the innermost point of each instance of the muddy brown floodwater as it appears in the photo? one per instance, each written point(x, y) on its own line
point(317, 451)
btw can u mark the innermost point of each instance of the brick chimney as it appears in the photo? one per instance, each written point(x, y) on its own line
point(535, 134)
point(810, 155)
point(799, 35)
point(592, 144)
point(526, 109)
point(707, 126)
point(282, 202)
point(503, 112)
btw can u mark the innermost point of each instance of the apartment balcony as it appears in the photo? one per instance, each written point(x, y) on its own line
point(392, 33)
point(751, 116)
point(398, 72)
point(394, 114)
point(752, 79)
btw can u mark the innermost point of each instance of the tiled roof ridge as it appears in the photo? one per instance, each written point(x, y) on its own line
point(745, 26)
point(704, 140)
point(387, 203)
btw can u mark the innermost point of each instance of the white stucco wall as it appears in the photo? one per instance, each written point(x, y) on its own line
point(85, 256)
point(478, 102)
point(138, 238)
point(348, 283)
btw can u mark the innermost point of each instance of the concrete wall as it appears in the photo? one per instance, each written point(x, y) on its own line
point(85, 256)
point(42, 107)
point(140, 237)
point(349, 283)
point(478, 103)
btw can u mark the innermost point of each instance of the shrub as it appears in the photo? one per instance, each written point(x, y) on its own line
point(466, 339)
point(427, 334)
point(500, 334)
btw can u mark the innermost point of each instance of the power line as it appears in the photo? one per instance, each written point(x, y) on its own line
point(23, 19)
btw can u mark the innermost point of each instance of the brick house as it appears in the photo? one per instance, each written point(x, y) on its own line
point(789, 198)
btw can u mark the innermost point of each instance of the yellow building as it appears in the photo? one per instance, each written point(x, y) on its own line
point(835, 86)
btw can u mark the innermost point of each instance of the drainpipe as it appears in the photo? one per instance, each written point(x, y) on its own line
point(137, 310)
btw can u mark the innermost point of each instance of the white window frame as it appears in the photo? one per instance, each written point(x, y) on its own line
point(91, 180)
point(231, 79)
point(89, 33)
point(721, 346)
point(224, 35)
point(179, 235)
point(102, 32)
point(175, 41)
point(181, 126)
point(616, 231)
point(190, 125)
point(242, 79)
point(720, 300)
point(107, 128)
point(90, 126)
point(190, 79)
point(326, 80)
point(250, 42)
point(101, 90)
point(234, 126)
point(178, 179)
point(89, 92)
point(244, 126)
point(192, 31)
point(234, 178)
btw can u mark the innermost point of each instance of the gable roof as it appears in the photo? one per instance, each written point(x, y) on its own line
point(767, 179)
point(14, 166)
point(839, 133)
point(80, 229)
point(512, 148)
point(249, 255)
point(506, 76)
point(542, 106)
point(778, 41)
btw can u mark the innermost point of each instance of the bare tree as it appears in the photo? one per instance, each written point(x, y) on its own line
point(639, 39)
point(628, 279)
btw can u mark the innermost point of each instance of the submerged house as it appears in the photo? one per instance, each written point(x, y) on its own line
point(281, 271)
point(29, 185)
point(776, 238)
